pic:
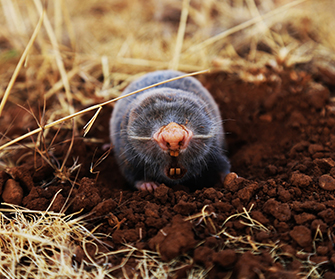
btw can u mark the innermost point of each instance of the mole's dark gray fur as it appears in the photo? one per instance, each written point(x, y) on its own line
point(138, 117)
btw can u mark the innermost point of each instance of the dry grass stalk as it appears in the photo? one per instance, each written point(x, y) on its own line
point(20, 63)
point(42, 244)
point(59, 84)
point(59, 59)
point(99, 106)
point(180, 36)
point(149, 264)
point(243, 26)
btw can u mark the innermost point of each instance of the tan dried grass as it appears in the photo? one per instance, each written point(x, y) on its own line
point(42, 245)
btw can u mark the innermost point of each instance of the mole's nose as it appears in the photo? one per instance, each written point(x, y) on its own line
point(173, 137)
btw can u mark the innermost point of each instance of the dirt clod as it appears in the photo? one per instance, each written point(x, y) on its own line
point(174, 239)
point(300, 179)
point(327, 182)
point(12, 192)
point(301, 235)
point(225, 258)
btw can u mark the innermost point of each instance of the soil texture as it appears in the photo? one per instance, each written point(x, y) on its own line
point(273, 217)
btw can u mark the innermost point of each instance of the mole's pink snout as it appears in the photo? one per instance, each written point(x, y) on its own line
point(173, 137)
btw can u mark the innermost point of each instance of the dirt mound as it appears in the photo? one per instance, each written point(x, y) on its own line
point(275, 220)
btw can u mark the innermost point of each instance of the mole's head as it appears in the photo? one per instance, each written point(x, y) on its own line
point(172, 136)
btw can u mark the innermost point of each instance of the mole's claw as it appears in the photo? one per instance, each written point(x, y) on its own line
point(146, 186)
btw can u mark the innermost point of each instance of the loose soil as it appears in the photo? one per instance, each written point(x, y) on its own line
point(276, 219)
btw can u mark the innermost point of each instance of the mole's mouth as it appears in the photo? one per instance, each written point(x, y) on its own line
point(175, 171)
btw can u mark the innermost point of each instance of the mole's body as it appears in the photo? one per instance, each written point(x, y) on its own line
point(169, 134)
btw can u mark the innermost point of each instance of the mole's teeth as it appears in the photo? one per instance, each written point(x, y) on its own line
point(172, 171)
point(177, 171)
point(174, 153)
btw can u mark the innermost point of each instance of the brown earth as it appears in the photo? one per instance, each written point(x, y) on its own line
point(275, 220)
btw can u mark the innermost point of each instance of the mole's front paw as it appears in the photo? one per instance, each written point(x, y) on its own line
point(146, 185)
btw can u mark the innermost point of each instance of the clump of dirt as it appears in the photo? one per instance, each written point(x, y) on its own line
point(275, 219)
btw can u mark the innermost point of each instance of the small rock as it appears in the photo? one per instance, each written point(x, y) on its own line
point(294, 76)
point(297, 119)
point(329, 274)
point(3, 179)
point(271, 169)
point(151, 210)
point(318, 95)
point(185, 208)
point(78, 254)
point(235, 184)
point(330, 204)
point(259, 216)
point(302, 235)
point(266, 117)
point(319, 225)
point(314, 148)
point(174, 239)
point(318, 259)
point(22, 174)
point(103, 208)
point(322, 250)
point(327, 215)
point(280, 211)
point(12, 192)
point(300, 146)
point(325, 163)
point(212, 194)
point(300, 179)
point(303, 218)
point(225, 258)
point(326, 182)
point(284, 195)
point(125, 236)
point(203, 255)
point(230, 177)
point(161, 193)
point(282, 227)
point(246, 193)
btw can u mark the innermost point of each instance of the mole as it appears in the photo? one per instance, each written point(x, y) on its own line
point(172, 133)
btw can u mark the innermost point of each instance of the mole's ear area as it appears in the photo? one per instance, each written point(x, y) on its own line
point(173, 137)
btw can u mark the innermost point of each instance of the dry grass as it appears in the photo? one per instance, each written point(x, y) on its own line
point(36, 244)
point(86, 52)
point(46, 245)
point(42, 245)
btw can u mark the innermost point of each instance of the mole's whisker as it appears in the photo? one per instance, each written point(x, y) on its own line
point(139, 138)
point(203, 136)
